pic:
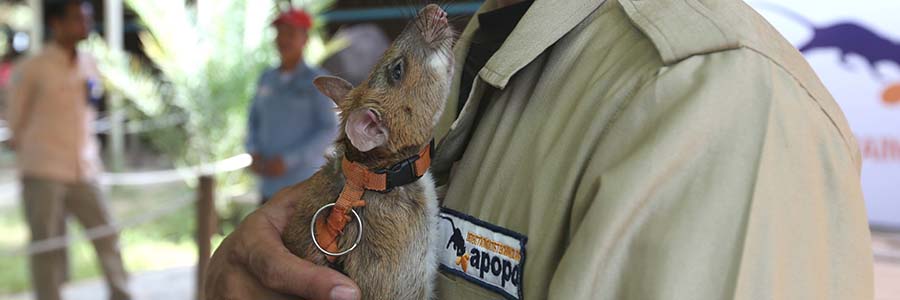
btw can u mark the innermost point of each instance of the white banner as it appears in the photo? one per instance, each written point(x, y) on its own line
point(854, 46)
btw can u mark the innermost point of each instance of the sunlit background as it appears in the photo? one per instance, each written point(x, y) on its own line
point(180, 75)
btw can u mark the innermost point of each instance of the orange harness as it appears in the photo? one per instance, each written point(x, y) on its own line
point(358, 180)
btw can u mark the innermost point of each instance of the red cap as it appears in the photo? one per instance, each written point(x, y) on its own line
point(294, 17)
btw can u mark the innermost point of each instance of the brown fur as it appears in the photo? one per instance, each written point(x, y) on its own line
point(390, 260)
point(395, 229)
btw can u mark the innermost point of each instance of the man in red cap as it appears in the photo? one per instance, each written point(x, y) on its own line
point(291, 123)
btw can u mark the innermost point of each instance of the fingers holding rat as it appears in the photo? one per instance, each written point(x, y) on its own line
point(284, 272)
point(234, 282)
point(253, 263)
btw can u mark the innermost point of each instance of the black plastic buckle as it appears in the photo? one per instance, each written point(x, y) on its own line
point(402, 173)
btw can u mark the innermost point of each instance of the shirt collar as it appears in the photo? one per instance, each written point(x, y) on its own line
point(542, 25)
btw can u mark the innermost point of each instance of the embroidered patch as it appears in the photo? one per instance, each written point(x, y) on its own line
point(482, 253)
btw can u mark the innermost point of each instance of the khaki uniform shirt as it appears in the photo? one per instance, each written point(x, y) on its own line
point(50, 118)
point(664, 149)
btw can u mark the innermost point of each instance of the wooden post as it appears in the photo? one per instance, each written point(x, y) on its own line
point(206, 226)
point(112, 23)
point(36, 40)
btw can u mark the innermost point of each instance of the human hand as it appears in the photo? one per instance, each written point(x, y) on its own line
point(253, 263)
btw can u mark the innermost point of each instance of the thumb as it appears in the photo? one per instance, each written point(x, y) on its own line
point(282, 271)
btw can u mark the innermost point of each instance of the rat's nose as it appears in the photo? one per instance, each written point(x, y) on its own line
point(434, 11)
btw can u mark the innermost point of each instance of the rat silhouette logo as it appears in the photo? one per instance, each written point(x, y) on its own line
point(482, 253)
point(459, 245)
point(852, 38)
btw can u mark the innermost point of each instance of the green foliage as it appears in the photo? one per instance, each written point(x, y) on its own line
point(208, 58)
point(13, 232)
point(210, 65)
point(205, 60)
point(16, 15)
point(3, 44)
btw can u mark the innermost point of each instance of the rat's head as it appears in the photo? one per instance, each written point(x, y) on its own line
point(396, 108)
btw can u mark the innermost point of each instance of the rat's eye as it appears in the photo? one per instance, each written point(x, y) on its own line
point(396, 70)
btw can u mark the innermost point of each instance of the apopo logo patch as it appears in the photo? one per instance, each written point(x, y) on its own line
point(482, 253)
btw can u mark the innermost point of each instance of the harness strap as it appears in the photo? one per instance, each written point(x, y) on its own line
point(358, 180)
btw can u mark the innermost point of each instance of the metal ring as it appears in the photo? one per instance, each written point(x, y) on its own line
point(312, 231)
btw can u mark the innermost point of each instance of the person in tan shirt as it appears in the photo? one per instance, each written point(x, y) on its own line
point(620, 149)
point(50, 116)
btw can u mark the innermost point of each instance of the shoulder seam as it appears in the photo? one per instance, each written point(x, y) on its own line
point(847, 141)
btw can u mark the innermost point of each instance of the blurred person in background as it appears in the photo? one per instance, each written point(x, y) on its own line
point(291, 123)
point(50, 115)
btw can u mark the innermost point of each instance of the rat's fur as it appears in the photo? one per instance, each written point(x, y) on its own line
point(395, 258)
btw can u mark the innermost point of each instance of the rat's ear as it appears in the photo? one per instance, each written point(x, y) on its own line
point(365, 130)
point(335, 88)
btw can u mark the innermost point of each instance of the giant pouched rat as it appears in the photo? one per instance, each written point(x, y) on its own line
point(386, 124)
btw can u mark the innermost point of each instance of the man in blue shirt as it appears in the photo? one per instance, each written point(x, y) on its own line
point(291, 123)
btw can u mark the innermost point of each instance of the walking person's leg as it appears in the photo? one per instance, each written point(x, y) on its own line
point(46, 215)
point(88, 204)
